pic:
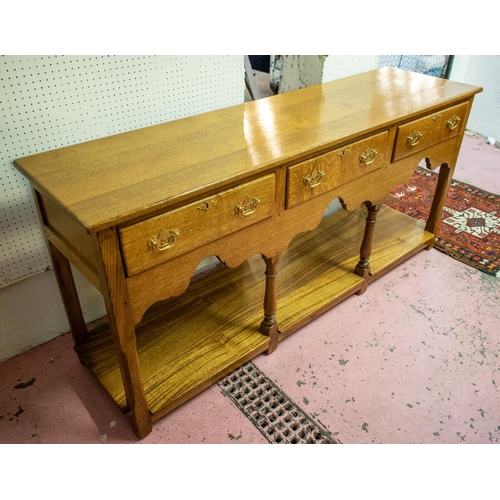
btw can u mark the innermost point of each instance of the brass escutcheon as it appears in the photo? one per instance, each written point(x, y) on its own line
point(344, 151)
point(452, 123)
point(247, 206)
point(314, 178)
point(368, 156)
point(165, 239)
point(207, 205)
point(413, 138)
point(437, 117)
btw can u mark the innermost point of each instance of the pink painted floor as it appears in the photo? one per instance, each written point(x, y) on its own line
point(413, 360)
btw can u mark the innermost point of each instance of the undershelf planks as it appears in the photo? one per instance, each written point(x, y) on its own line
point(188, 342)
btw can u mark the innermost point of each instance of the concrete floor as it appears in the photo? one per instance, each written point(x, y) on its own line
point(413, 360)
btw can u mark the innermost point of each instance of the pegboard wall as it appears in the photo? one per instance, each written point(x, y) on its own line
point(484, 118)
point(48, 102)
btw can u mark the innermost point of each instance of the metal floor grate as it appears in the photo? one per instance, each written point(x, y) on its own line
point(276, 416)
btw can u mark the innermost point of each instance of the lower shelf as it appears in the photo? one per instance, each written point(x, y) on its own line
point(187, 343)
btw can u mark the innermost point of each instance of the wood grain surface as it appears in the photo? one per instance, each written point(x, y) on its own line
point(141, 172)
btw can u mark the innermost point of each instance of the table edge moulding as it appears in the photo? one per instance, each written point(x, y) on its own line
point(137, 212)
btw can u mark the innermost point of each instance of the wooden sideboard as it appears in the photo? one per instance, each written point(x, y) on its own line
point(137, 212)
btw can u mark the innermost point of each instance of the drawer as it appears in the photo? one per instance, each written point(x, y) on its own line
point(330, 170)
point(161, 238)
point(424, 132)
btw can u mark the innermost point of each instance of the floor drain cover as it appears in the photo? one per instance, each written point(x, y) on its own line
point(276, 416)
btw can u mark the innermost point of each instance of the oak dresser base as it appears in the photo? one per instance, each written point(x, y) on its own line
point(137, 212)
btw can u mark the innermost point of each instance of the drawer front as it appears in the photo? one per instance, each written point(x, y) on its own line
point(432, 129)
point(161, 238)
point(330, 170)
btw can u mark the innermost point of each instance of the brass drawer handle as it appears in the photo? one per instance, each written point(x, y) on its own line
point(452, 123)
point(314, 178)
point(413, 138)
point(165, 239)
point(368, 156)
point(247, 206)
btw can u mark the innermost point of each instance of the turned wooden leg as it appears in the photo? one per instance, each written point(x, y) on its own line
point(363, 266)
point(69, 294)
point(269, 326)
point(434, 219)
point(116, 298)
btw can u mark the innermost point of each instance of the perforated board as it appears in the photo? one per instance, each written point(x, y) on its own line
point(484, 71)
point(48, 102)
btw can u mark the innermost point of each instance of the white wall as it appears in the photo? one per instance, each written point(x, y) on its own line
point(341, 66)
point(32, 311)
point(54, 101)
point(483, 71)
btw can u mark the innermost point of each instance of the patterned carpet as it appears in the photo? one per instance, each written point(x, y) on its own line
point(470, 222)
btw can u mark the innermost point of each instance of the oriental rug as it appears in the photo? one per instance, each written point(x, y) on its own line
point(470, 221)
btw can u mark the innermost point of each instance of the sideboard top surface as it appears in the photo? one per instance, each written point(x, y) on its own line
point(112, 180)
